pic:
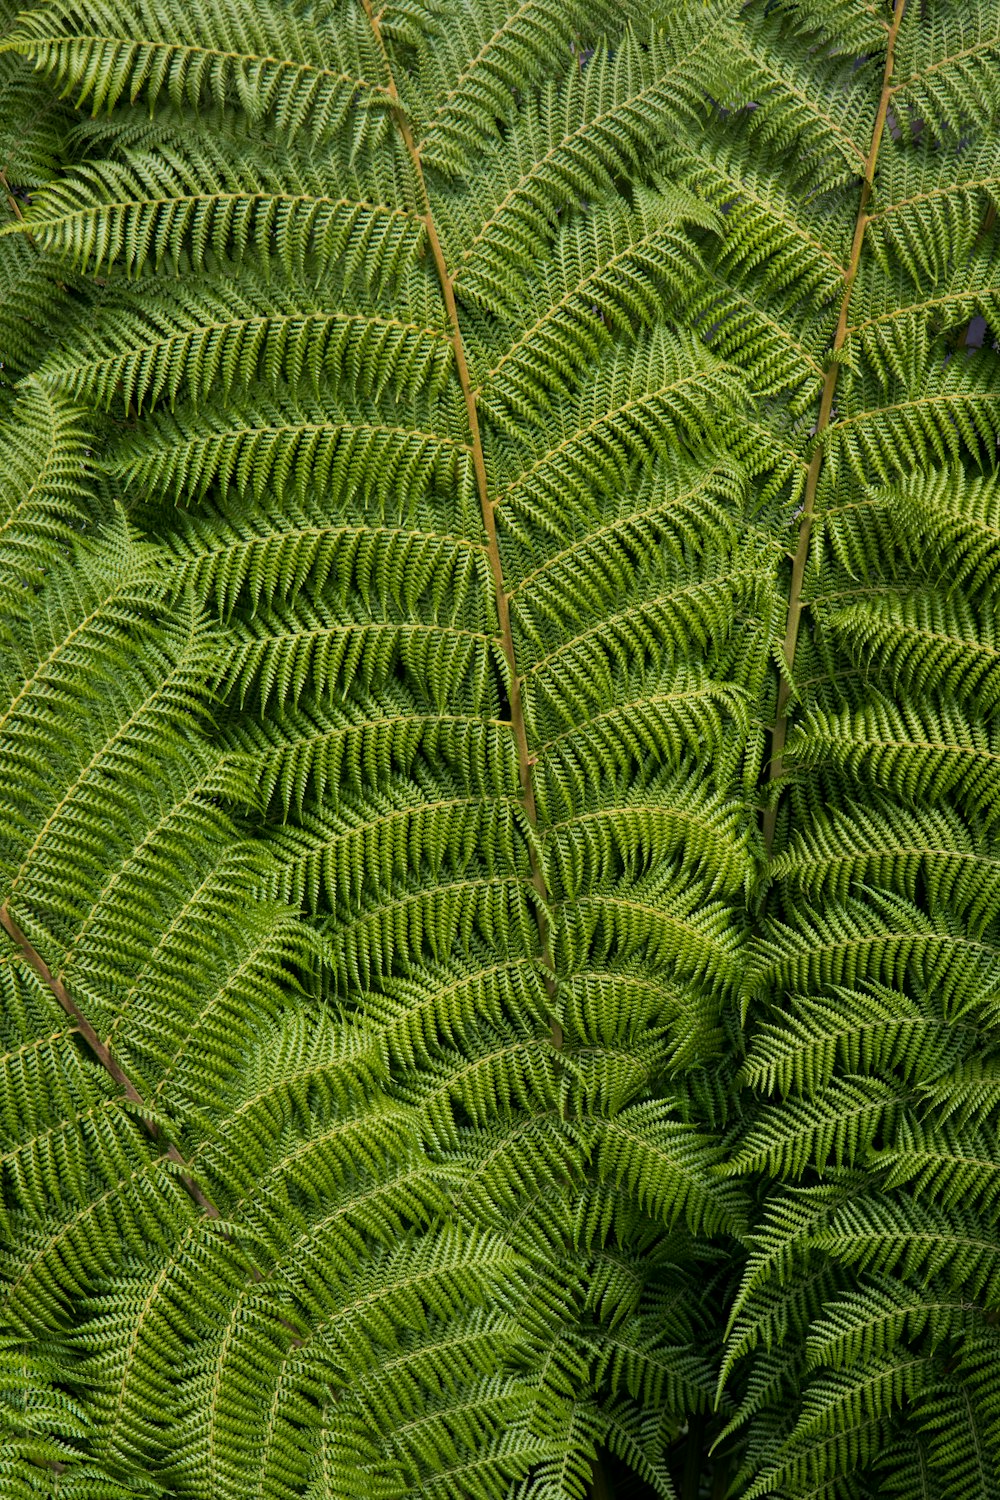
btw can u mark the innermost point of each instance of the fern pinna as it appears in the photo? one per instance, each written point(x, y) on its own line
point(496, 581)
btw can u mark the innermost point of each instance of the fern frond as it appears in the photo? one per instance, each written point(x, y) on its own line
point(896, 846)
point(876, 1032)
point(946, 71)
point(183, 207)
point(920, 753)
point(292, 447)
point(46, 498)
point(838, 1126)
point(561, 439)
point(203, 340)
point(469, 76)
point(916, 1239)
point(270, 64)
point(864, 1324)
point(886, 939)
point(956, 1165)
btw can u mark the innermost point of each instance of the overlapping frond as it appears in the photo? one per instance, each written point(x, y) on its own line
point(384, 790)
point(853, 281)
point(405, 347)
point(197, 1151)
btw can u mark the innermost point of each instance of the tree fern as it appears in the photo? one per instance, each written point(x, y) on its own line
point(499, 677)
point(873, 967)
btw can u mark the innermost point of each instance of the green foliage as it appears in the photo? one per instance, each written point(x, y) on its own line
point(455, 1034)
point(870, 1293)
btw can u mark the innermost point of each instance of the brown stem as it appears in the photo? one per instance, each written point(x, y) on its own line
point(102, 1053)
point(117, 1072)
point(795, 605)
point(691, 1482)
point(15, 207)
point(518, 724)
point(601, 1487)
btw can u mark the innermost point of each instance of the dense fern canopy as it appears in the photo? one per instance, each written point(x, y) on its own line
point(499, 671)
